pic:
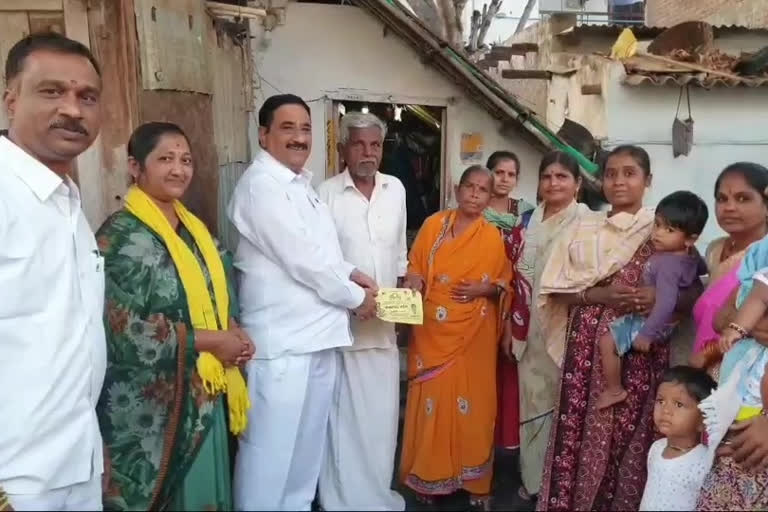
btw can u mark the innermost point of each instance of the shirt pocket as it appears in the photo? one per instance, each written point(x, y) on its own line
point(92, 275)
point(18, 280)
point(387, 230)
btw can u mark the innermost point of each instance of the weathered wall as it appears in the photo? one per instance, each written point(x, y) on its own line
point(194, 114)
point(534, 94)
point(531, 93)
point(325, 50)
point(565, 93)
point(730, 125)
point(666, 13)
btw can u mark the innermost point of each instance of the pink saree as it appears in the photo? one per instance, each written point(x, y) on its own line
point(723, 281)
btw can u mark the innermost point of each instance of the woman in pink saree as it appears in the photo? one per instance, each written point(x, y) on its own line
point(742, 212)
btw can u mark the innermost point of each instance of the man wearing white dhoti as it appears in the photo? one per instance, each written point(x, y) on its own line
point(295, 293)
point(369, 210)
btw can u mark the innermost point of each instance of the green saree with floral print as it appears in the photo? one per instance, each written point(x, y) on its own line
point(166, 438)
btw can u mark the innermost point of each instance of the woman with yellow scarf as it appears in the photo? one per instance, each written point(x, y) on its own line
point(173, 344)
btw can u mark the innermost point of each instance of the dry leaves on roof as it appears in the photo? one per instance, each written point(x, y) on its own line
point(712, 58)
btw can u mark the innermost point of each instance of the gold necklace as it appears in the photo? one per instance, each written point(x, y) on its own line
point(677, 448)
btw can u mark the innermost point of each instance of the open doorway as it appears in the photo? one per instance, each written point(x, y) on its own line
point(413, 152)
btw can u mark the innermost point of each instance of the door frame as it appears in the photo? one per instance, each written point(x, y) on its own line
point(332, 98)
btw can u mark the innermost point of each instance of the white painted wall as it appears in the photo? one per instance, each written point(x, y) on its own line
point(323, 49)
point(730, 125)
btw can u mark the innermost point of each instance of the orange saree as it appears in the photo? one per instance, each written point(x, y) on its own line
point(451, 410)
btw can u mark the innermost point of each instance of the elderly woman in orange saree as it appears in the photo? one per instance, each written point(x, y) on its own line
point(459, 264)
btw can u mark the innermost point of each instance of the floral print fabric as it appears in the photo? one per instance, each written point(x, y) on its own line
point(154, 412)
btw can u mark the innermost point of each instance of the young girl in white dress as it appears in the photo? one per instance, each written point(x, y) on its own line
point(679, 462)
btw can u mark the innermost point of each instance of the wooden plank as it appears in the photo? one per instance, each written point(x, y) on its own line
point(695, 67)
point(112, 26)
point(88, 169)
point(519, 74)
point(76, 21)
point(172, 41)
point(13, 26)
point(644, 64)
point(525, 47)
point(331, 151)
point(506, 52)
point(592, 89)
point(46, 21)
point(31, 5)
point(487, 63)
point(235, 11)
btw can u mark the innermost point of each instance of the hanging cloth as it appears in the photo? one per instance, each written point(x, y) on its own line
point(682, 131)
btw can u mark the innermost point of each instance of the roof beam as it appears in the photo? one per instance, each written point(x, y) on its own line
point(506, 52)
point(526, 74)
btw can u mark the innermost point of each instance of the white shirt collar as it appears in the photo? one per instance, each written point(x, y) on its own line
point(39, 178)
point(380, 180)
point(279, 171)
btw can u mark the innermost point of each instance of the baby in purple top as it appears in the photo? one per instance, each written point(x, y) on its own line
point(676, 265)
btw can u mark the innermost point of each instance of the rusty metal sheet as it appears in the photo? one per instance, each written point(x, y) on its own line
point(172, 44)
point(229, 65)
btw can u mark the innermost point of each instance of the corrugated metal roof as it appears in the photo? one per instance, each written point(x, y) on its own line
point(704, 80)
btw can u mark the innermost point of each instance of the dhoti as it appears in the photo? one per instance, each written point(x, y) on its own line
point(362, 436)
point(281, 451)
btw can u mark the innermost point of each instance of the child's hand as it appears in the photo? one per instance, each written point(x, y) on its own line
point(642, 344)
point(728, 338)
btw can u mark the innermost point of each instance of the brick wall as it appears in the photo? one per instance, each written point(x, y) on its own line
point(748, 13)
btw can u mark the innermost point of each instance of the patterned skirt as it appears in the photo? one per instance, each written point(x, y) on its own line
point(729, 487)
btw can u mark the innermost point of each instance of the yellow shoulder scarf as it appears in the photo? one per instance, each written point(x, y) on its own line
point(215, 377)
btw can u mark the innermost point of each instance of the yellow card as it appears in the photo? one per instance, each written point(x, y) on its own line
point(399, 305)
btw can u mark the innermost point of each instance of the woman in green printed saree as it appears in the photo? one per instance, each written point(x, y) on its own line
point(162, 411)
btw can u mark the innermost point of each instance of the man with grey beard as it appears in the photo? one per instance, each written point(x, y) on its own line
point(368, 208)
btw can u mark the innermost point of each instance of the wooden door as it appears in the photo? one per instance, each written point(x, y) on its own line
point(19, 18)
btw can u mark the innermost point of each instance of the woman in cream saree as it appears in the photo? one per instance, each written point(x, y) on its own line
point(525, 339)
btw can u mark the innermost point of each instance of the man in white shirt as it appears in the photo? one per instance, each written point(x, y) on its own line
point(52, 344)
point(369, 210)
point(295, 294)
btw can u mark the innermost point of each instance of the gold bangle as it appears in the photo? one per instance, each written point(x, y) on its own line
point(739, 329)
point(583, 297)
